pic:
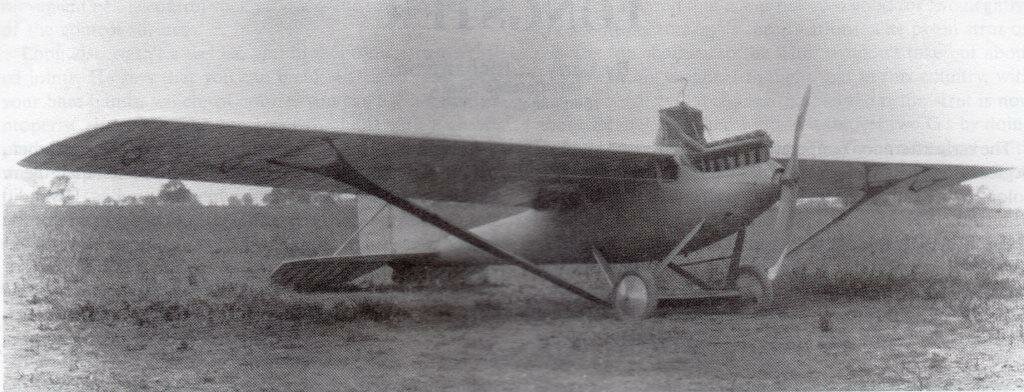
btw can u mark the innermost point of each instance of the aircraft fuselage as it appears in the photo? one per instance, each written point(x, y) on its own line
point(644, 226)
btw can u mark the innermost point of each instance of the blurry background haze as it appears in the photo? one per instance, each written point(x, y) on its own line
point(899, 80)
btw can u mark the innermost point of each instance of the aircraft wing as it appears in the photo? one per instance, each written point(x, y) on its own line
point(828, 178)
point(411, 167)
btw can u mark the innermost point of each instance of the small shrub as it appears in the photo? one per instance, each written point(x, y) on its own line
point(488, 305)
point(300, 311)
point(379, 311)
point(443, 310)
point(360, 336)
point(825, 322)
point(86, 311)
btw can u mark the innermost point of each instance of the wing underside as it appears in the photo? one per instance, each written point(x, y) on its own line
point(412, 167)
point(836, 178)
point(430, 168)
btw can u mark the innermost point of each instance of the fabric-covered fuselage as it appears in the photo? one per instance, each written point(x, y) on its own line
point(645, 225)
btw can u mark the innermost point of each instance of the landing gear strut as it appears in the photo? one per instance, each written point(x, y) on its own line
point(636, 292)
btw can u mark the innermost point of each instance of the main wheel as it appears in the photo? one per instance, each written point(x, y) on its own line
point(752, 288)
point(635, 296)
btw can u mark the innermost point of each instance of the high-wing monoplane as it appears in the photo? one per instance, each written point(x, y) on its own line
point(639, 207)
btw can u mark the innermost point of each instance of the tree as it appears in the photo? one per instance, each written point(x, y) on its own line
point(247, 199)
point(285, 196)
point(959, 195)
point(130, 200)
point(58, 186)
point(234, 201)
point(149, 200)
point(175, 192)
point(109, 201)
point(324, 199)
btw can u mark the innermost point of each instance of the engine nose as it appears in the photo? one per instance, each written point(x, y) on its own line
point(756, 190)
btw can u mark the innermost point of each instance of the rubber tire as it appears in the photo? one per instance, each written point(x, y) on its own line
point(635, 296)
point(748, 279)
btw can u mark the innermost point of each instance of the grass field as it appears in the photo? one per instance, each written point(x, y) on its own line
point(164, 298)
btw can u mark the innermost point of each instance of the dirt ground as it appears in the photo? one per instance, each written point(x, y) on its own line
point(516, 335)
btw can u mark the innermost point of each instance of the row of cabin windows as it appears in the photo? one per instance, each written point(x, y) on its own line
point(738, 159)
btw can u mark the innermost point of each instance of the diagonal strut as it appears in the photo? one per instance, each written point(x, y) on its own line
point(340, 170)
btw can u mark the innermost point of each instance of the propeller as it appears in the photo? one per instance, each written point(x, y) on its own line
point(790, 191)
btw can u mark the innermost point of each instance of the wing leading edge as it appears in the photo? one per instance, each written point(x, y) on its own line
point(411, 167)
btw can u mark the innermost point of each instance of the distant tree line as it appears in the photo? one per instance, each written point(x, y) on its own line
point(959, 195)
point(175, 192)
point(286, 196)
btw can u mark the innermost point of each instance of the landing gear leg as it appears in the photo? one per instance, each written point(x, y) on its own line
point(745, 279)
point(753, 292)
point(737, 253)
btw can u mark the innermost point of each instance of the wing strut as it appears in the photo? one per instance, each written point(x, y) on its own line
point(356, 233)
point(340, 170)
point(869, 193)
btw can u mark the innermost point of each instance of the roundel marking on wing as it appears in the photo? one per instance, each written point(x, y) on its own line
point(133, 153)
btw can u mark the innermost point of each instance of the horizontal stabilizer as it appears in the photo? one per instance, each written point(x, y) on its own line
point(336, 273)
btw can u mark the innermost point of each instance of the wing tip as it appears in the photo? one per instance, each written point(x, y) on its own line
point(990, 170)
point(37, 160)
point(55, 156)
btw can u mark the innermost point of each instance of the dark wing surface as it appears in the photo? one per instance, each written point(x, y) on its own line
point(835, 178)
point(411, 167)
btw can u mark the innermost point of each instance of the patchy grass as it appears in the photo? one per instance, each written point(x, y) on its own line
point(170, 298)
point(154, 264)
point(883, 251)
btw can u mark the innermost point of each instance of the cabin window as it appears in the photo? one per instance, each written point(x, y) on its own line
point(746, 158)
point(732, 162)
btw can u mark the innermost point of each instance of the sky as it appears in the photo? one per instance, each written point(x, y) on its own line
point(905, 81)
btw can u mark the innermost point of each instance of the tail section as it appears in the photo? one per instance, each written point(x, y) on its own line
point(394, 239)
point(338, 273)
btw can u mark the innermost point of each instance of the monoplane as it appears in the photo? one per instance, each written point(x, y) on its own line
point(635, 209)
